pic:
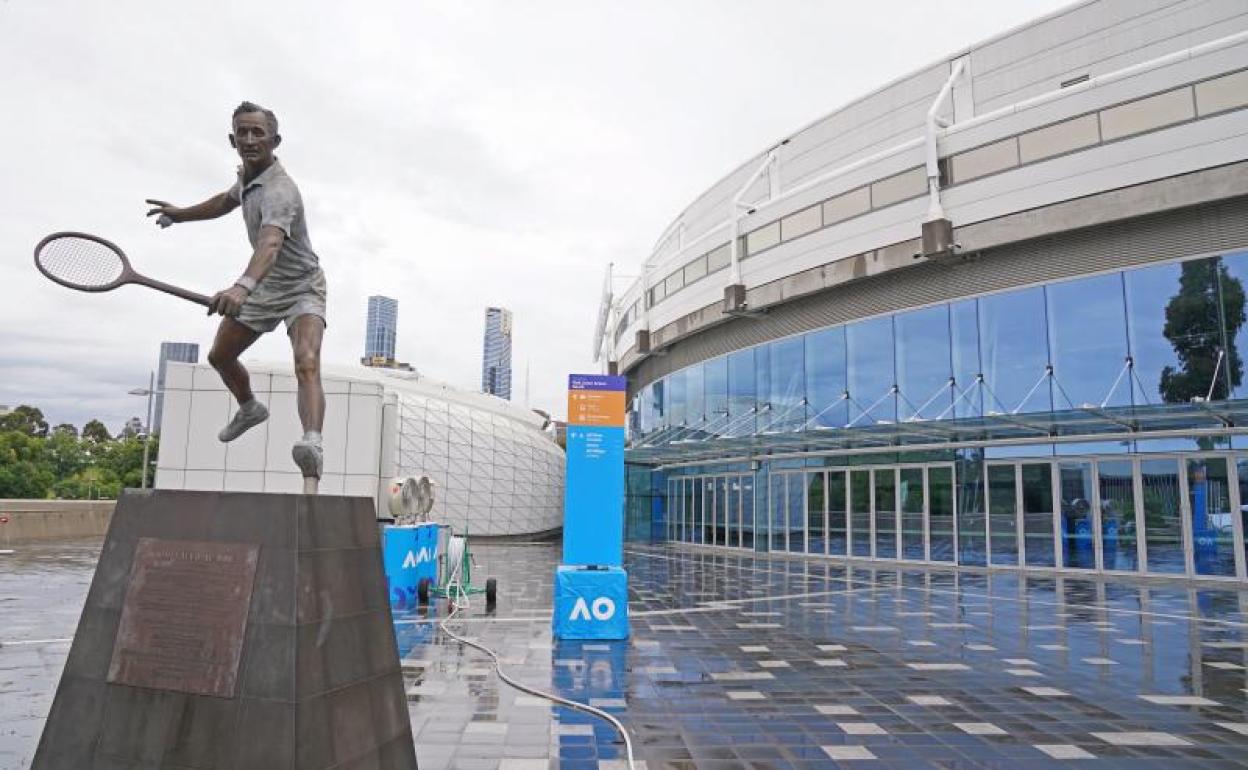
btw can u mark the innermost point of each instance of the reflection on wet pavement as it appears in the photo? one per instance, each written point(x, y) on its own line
point(741, 660)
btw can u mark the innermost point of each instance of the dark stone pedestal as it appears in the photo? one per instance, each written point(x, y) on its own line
point(234, 630)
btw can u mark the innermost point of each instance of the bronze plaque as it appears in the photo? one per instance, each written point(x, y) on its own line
point(184, 616)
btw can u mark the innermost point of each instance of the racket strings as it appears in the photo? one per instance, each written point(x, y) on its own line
point(81, 262)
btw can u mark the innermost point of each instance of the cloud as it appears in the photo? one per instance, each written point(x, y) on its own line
point(451, 155)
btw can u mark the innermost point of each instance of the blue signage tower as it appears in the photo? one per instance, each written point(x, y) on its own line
point(591, 586)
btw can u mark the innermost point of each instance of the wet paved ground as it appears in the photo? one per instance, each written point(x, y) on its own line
point(748, 661)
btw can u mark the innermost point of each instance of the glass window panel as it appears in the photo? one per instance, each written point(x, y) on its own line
point(1209, 499)
point(837, 524)
point(1058, 139)
point(923, 362)
point(1224, 93)
point(695, 400)
point(972, 504)
point(747, 512)
point(1148, 113)
point(719, 258)
point(1118, 532)
point(913, 534)
point(1013, 343)
point(1232, 280)
point(1002, 515)
point(676, 415)
point(1088, 342)
point(797, 512)
point(964, 350)
point(741, 394)
point(778, 523)
point(709, 503)
point(788, 385)
point(885, 513)
point(721, 511)
point(659, 405)
point(693, 509)
point(825, 378)
point(695, 269)
point(734, 512)
point(860, 511)
point(869, 348)
point(1242, 472)
point(815, 518)
point(762, 384)
point(1163, 523)
point(673, 283)
point(1149, 291)
point(763, 238)
point(1038, 514)
point(715, 384)
point(940, 512)
point(1076, 528)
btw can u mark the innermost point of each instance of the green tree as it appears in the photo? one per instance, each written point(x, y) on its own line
point(96, 432)
point(25, 419)
point(24, 469)
point(1208, 298)
point(67, 428)
point(65, 453)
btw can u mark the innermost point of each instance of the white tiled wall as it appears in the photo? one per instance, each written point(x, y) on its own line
point(493, 474)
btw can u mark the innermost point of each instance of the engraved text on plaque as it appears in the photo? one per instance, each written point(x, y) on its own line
point(184, 616)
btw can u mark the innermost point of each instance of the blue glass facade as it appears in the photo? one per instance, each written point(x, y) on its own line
point(1172, 333)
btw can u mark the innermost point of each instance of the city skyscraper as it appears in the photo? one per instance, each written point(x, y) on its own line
point(184, 352)
point(383, 321)
point(496, 359)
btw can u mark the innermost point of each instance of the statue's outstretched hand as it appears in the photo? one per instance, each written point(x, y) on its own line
point(168, 213)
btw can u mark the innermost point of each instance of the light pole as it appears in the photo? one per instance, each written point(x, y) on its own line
point(149, 391)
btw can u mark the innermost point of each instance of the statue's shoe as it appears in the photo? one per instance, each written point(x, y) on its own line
point(244, 419)
point(310, 457)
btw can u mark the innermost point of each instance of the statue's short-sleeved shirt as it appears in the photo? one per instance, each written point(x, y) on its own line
point(295, 284)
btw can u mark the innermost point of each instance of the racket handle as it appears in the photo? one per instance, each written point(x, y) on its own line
point(163, 220)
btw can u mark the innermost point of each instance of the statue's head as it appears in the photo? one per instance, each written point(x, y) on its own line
point(254, 134)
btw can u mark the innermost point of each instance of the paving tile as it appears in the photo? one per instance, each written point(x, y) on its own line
point(979, 728)
point(1179, 700)
point(1045, 692)
point(861, 728)
point(848, 753)
point(929, 700)
point(835, 709)
point(1064, 751)
point(1142, 739)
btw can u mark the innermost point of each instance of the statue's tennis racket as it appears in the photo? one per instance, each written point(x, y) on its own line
point(89, 263)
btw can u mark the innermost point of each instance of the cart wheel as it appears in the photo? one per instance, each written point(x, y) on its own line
point(491, 592)
point(422, 591)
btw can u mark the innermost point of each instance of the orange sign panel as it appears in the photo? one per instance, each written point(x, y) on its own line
point(596, 407)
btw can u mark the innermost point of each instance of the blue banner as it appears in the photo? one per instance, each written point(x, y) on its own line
point(593, 507)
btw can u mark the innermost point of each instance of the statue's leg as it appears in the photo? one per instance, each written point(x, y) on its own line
point(306, 334)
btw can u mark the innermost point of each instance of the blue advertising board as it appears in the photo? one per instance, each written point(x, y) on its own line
point(593, 510)
point(409, 553)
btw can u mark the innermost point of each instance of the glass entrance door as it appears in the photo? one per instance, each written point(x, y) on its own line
point(911, 492)
point(1212, 526)
point(1002, 514)
point(1077, 525)
point(1039, 540)
point(860, 512)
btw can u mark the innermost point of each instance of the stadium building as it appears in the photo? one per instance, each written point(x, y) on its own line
point(990, 315)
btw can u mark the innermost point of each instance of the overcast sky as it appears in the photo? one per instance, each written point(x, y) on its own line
point(452, 155)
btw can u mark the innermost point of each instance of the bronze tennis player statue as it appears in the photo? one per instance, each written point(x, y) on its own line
point(282, 283)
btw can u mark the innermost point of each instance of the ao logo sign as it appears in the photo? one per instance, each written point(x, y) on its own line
point(417, 557)
point(602, 609)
